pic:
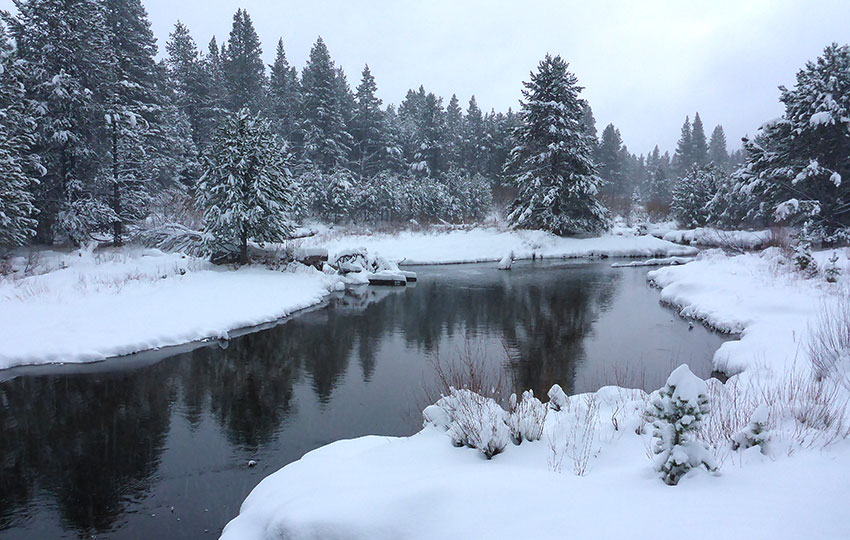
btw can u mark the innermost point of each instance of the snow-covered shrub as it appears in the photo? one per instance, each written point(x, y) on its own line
point(676, 411)
point(574, 436)
point(473, 420)
point(804, 262)
point(832, 271)
point(557, 398)
point(526, 418)
point(756, 432)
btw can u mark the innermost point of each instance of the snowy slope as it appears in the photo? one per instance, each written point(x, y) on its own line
point(90, 306)
point(483, 244)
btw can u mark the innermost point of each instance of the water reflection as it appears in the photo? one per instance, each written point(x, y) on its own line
point(115, 453)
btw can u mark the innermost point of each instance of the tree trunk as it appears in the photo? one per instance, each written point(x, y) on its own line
point(243, 249)
point(117, 228)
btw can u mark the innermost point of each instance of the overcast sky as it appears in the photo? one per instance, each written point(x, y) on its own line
point(644, 65)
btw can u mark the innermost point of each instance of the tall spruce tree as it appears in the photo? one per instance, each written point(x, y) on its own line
point(611, 160)
point(699, 146)
point(473, 150)
point(429, 158)
point(684, 156)
point(134, 113)
point(327, 141)
point(799, 165)
point(246, 191)
point(21, 166)
point(283, 98)
point(65, 49)
point(454, 133)
point(717, 153)
point(243, 69)
point(368, 128)
point(552, 165)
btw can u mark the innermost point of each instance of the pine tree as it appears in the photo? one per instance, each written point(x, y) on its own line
point(611, 163)
point(717, 153)
point(186, 78)
point(588, 121)
point(246, 191)
point(244, 72)
point(454, 133)
point(213, 108)
point(692, 195)
point(473, 150)
point(327, 141)
point(698, 145)
point(134, 112)
point(370, 147)
point(798, 165)
point(656, 191)
point(283, 98)
point(683, 159)
point(552, 165)
point(21, 167)
point(676, 411)
point(65, 52)
point(429, 158)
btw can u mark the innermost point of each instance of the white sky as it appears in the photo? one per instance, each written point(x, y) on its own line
point(644, 65)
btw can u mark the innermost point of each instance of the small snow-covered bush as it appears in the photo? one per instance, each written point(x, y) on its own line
point(676, 412)
point(526, 418)
point(471, 420)
point(804, 262)
point(574, 436)
point(832, 271)
point(756, 432)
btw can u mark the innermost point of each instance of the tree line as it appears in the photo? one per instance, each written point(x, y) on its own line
point(96, 133)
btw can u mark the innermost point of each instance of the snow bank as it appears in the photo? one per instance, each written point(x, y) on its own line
point(421, 487)
point(87, 306)
point(756, 295)
point(490, 245)
point(708, 237)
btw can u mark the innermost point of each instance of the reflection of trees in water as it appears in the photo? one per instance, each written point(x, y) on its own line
point(95, 440)
point(91, 441)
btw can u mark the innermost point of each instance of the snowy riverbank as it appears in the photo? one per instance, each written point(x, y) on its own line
point(486, 244)
point(83, 306)
point(591, 471)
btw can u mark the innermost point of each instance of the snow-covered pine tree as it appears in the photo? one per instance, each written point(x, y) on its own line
point(832, 272)
point(589, 122)
point(429, 156)
point(698, 144)
point(244, 72)
point(214, 106)
point(798, 165)
point(692, 194)
point(551, 164)
point(370, 147)
point(283, 97)
point(246, 190)
point(21, 166)
point(683, 159)
point(611, 163)
point(454, 134)
point(473, 153)
point(656, 190)
point(717, 152)
point(327, 141)
point(676, 411)
point(65, 50)
point(135, 111)
point(187, 79)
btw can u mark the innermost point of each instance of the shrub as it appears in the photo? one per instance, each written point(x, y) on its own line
point(676, 412)
point(471, 420)
point(755, 434)
point(526, 418)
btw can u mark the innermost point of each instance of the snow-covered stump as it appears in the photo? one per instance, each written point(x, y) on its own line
point(676, 412)
point(558, 399)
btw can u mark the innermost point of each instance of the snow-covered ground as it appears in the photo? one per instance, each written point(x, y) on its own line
point(86, 306)
point(591, 472)
point(484, 244)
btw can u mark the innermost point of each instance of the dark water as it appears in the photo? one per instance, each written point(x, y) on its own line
point(160, 449)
